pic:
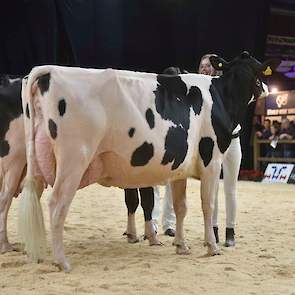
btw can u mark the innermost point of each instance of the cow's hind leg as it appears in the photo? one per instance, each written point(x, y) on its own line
point(5, 202)
point(131, 201)
point(10, 183)
point(209, 185)
point(68, 178)
point(147, 204)
point(178, 189)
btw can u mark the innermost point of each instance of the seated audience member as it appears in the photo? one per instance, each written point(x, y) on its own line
point(273, 149)
point(265, 132)
point(287, 132)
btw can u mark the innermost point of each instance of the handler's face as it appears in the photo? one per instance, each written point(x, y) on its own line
point(206, 68)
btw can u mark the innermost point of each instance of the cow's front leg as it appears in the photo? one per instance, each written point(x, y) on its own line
point(147, 203)
point(178, 189)
point(5, 202)
point(131, 201)
point(209, 185)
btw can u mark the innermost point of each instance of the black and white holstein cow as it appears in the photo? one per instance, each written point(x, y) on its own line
point(130, 130)
point(12, 150)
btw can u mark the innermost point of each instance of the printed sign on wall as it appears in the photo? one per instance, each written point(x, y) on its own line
point(276, 172)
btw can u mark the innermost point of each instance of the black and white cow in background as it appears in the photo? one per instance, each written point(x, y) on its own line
point(129, 129)
point(12, 150)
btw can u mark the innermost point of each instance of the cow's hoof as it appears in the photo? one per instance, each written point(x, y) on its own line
point(153, 241)
point(213, 250)
point(5, 247)
point(182, 250)
point(63, 266)
point(181, 247)
point(132, 239)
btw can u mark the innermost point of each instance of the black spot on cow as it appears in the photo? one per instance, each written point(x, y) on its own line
point(4, 148)
point(131, 132)
point(52, 128)
point(221, 121)
point(150, 118)
point(174, 102)
point(27, 111)
point(62, 107)
point(176, 147)
point(142, 155)
point(196, 104)
point(43, 83)
point(206, 146)
point(10, 108)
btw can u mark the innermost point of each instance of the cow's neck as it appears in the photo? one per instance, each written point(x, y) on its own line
point(235, 93)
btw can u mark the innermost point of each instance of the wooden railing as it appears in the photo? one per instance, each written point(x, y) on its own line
point(257, 157)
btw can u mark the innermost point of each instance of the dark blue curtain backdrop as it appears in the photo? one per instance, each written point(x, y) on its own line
point(147, 35)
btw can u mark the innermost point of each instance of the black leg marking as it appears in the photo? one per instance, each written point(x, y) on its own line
point(52, 128)
point(131, 199)
point(147, 202)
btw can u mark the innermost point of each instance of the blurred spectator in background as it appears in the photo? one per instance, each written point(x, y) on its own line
point(265, 133)
point(274, 150)
point(287, 132)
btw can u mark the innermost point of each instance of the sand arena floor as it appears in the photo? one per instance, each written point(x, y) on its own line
point(263, 261)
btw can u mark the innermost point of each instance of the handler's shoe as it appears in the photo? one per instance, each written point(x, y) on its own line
point(170, 232)
point(215, 229)
point(229, 237)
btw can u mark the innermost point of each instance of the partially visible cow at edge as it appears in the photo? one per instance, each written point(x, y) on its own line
point(12, 150)
point(128, 129)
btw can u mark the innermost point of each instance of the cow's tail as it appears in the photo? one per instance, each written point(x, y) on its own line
point(31, 222)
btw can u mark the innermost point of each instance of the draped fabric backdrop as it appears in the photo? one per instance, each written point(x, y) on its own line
point(146, 35)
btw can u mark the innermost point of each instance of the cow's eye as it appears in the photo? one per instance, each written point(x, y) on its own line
point(258, 83)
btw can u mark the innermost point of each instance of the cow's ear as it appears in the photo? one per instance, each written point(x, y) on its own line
point(218, 63)
point(269, 66)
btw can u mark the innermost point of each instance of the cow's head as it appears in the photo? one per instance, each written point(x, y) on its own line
point(247, 67)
